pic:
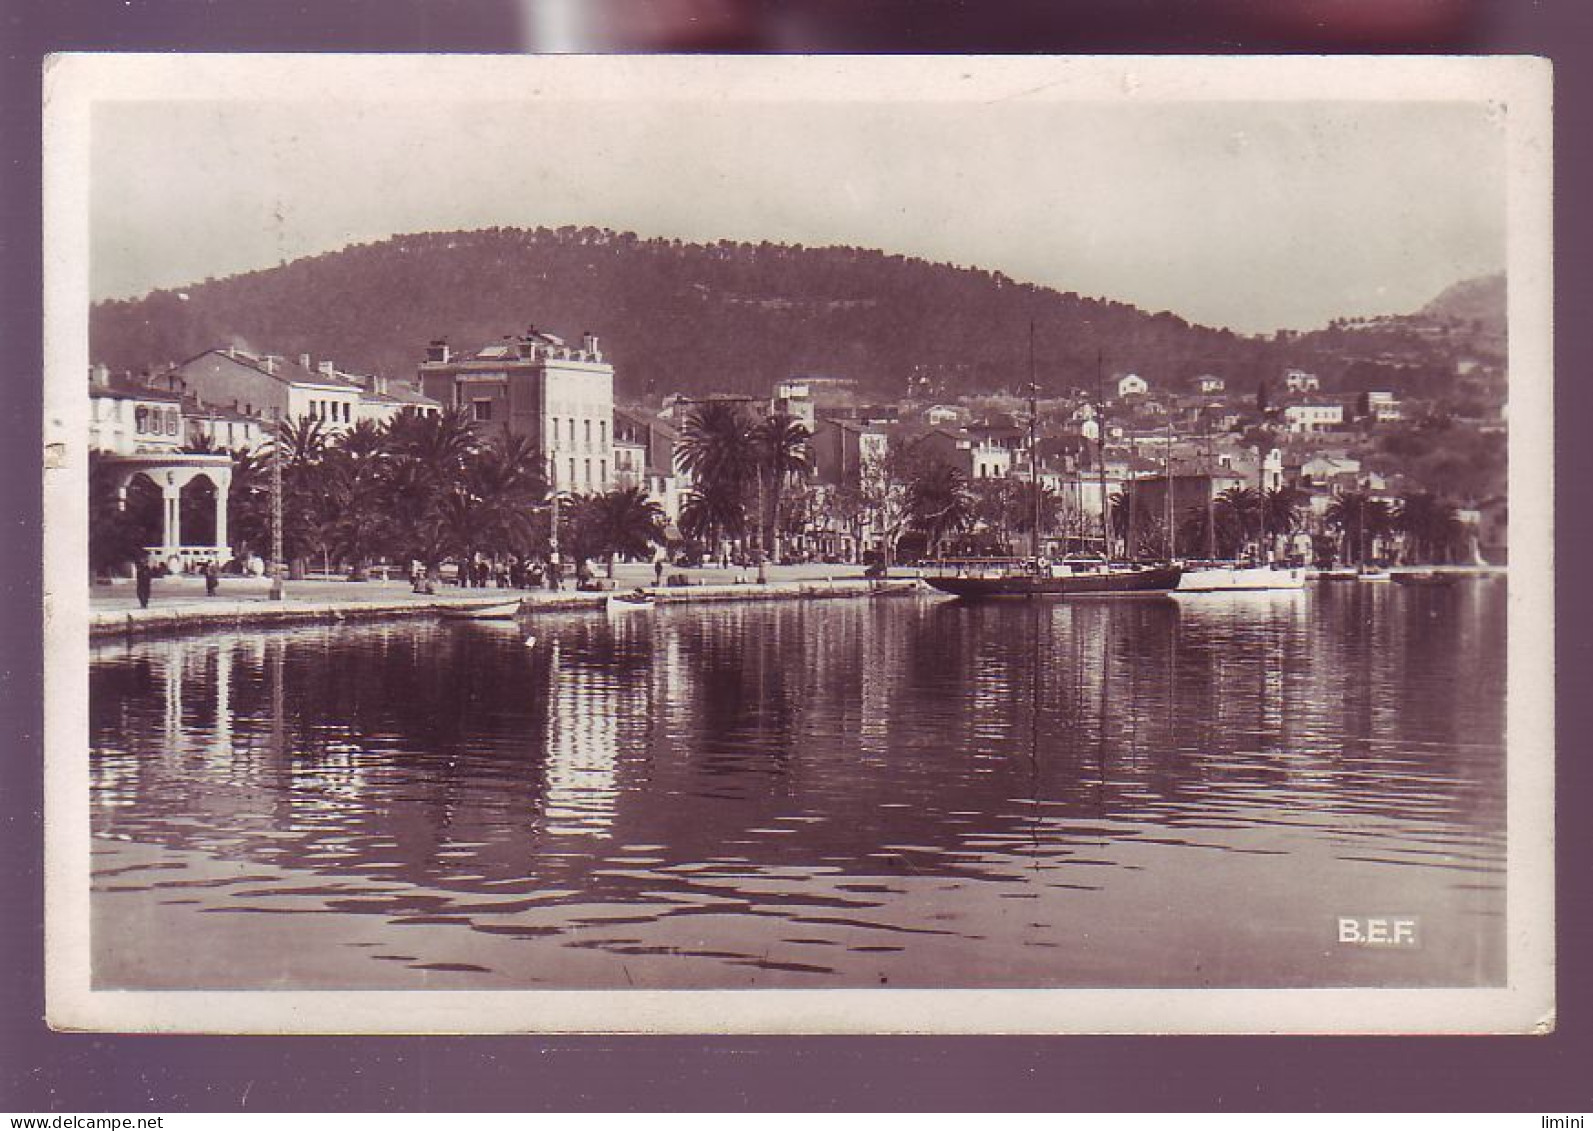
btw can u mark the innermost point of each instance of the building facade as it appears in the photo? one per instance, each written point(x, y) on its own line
point(560, 397)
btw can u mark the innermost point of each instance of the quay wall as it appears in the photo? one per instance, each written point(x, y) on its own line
point(210, 615)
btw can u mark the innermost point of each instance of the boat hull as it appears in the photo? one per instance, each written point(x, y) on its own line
point(505, 610)
point(1159, 580)
point(1240, 580)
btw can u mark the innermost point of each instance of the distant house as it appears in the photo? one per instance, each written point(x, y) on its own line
point(1383, 407)
point(1299, 381)
point(1132, 385)
point(938, 414)
point(977, 457)
point(1313, 417)
point(1208, 384)
point(1324, 468)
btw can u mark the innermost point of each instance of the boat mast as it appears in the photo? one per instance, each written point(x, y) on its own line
point(1167, 474)
point(1211, 490)
point(1034, 450)
point(1100, 462)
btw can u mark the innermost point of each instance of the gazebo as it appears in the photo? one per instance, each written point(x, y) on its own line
point(171, 472)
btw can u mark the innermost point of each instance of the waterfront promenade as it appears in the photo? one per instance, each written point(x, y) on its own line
point(179, 604)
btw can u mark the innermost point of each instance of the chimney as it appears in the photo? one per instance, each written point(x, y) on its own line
point(589, 344)
point(438, 351)
point(100, 374)
point(327, 369)
point(304, 361)
point(270, 362)
point(379, 383)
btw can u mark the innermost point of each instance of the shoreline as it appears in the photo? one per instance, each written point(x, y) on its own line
point(180, 616)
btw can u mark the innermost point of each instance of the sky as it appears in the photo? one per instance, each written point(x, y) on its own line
point(1253, 216)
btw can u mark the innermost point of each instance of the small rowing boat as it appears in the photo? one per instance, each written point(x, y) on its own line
point(630, 602)
point(498, 610)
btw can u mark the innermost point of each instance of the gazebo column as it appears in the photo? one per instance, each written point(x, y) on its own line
point(171, 535)
point(221, 520)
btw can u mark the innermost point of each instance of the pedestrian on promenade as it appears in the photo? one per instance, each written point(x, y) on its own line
point(555, 572)
point(212, 579)
point(143, 582)
point(658, 571)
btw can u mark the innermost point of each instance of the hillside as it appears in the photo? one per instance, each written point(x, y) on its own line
point(1472, 300)
point(674, 316)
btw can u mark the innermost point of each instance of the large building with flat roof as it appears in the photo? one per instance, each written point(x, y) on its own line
point(558, 396)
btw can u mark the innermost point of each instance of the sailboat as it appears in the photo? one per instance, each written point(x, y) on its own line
point(1037, 576)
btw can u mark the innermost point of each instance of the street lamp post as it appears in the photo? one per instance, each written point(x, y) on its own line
point(553, 510)
point(276, 507)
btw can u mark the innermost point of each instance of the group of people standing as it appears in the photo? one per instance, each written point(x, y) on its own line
point(506, 573)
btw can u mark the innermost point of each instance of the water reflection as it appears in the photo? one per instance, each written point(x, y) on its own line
point(907, 791)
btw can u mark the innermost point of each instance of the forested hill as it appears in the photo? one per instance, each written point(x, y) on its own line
point(1481, 300)
point(677, 316)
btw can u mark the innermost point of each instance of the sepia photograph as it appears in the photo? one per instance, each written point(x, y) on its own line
point(830, 545)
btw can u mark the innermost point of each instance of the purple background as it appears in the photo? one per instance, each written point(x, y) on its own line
point(44, 1072)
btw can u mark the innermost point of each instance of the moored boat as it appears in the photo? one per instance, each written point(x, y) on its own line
point(1432, 578)
point(498, 610)
point(977, 578)
point(619, 603)
point(1233, 577)
point(1336, 575)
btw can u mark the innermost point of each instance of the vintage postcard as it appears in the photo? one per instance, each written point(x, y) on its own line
point(799, 545)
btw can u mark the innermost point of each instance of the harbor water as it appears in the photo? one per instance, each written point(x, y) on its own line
point(901, 791)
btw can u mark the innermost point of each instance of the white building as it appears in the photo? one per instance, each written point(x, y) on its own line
point(1384, 407)
point(1132, 385)
point(1313, 417)
point(559, 396)
point(1299, 381)
point(1210, 384)
point(127, 419)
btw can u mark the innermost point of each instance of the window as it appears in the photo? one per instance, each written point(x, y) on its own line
point(572, 471)
point(602, 432)
point(173, 422)
point(602, 470)
point(588, 424)
point(572, 440)
point(588, 473)
point(482, 410)
point(141, 419)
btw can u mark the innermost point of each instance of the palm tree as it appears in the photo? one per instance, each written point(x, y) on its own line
point(1240, 510)
point(992, 506)
point(1430, 527)
point(707, 517)
point(717, 451)
point(506, 479)
point(1360, 521)
point(626, 523)
point(939, 502)
point(1280, 509)
point(117, 532)
point(780, 449)
point(427, 457)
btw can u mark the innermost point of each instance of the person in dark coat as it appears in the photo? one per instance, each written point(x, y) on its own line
point(212, 579)
point(143, 582)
